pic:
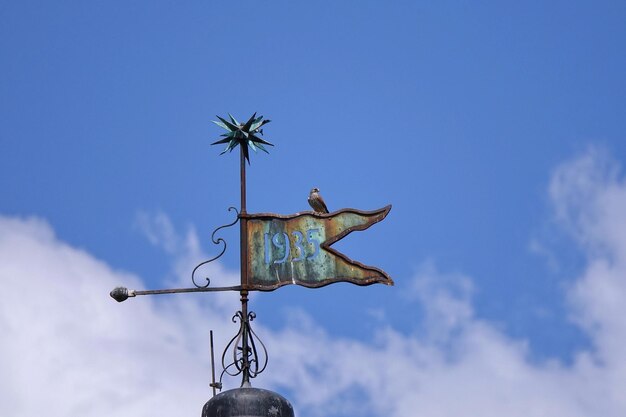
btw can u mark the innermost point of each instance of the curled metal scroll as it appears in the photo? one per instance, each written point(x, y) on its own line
point(217, 241)
point(256, 359)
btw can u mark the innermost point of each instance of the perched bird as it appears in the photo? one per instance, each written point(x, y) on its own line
point(317, 202)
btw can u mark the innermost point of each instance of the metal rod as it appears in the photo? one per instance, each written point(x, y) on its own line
point(120, 294)
point(243, 224)
point(242, 160)
point(245, 348)
point(179, 290)
point(213, 385)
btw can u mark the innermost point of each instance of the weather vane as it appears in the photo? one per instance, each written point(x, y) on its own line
point(275, 250)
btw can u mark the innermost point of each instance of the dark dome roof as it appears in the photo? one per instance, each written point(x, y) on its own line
point(248, 402)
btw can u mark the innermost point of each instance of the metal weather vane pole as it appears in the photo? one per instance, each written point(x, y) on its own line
point(243, 254)
point(243, 239)
point(243, 135)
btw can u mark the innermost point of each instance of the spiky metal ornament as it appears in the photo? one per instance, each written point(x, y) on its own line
point(243, 135)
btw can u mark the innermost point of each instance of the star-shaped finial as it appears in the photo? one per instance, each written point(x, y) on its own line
point(243, 134)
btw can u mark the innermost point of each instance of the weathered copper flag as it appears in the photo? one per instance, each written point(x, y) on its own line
point(295, 249)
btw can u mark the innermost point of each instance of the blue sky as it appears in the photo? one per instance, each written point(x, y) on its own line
point(496, 131)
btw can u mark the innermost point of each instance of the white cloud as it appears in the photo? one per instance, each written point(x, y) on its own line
point(159, 230)
point(67, 349)
point(463, 365)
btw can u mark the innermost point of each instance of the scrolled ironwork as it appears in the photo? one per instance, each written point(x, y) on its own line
point(217, 241)
point(253, 360)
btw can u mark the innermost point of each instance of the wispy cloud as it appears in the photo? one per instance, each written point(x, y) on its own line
point(69, 350)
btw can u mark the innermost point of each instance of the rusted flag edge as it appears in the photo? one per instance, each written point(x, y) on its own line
point(373, 217)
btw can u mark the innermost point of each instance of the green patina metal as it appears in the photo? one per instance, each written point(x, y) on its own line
point(243, 135)
point(295, 249)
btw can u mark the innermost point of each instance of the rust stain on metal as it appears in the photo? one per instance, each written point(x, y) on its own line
point(295, 249)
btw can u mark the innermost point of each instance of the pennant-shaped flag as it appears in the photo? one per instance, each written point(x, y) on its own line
point(295, 249)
